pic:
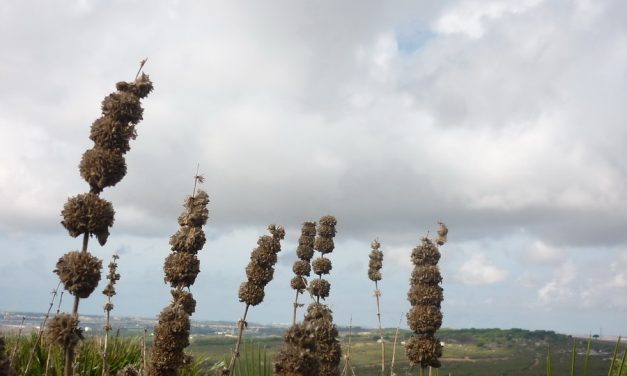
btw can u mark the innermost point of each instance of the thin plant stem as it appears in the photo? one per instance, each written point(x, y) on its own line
point(143, 363)
point(69, 352)
point(295, 308)
point(105, 366)
point(377, 294)
point(17, 343)
point(50, 344)
point(41, 329)
point(347, 364)
point(394, 347)
point(242, 325)
point(141, 66)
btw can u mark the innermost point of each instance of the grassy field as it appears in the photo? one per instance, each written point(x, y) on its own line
point(485, 352)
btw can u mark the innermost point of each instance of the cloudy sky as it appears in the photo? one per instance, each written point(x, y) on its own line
point(504, 119)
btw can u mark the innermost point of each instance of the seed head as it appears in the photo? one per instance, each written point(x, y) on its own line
point(306, 241)
point(88, 213)
point(259, 275)
point(184, 300)
point(325, 234)
point(79, 272)
point(425, 254)
point(188, 239)
point(298, 283)
point(424, 350)
point(442, 234)
point(102, 168)
point(321, 266)
point(171, 337)
point(123, 107)
point(376, 262)
point(297, 357)
point(301, 268)
point(426, 275)
point(424, 319)
point(319, 288)
point(328, 350)
point(251, 293)
point(181, 269)
point(425, 295)
point(63, 330)
point(196, 213)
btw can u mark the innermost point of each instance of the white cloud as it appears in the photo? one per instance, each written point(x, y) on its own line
point(478, 270)
point(470, 17)
point(559, 290)
point(541, 253)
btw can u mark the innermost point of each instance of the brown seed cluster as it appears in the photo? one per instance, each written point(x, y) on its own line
point(297, 356)
point(425, 295)
point(79, 272)
point(113, 276)
point(328, 351)
point(260, 269)
point(376, 262)
point(323, 243)
point(88, 213)
point(305, 251)
point(104, 165)
point(181, 268)
point(171, 337)
point(63, 330)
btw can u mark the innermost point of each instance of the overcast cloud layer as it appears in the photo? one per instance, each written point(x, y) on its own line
point(506, 120)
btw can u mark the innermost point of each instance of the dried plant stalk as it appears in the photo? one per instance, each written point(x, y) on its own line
point(425, 296)
point(41, 329)
point(109, 291)
point(374, 273)
point(319, 316)
point(87, 214)
point(259, 273)
point(181, 268)
point(302, 267)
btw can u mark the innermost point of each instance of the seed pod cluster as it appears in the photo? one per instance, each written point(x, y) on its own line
point(305, 251)
point(328, 351)
point(181, 268)
point(104, 165)
point(425, 295)
point(260, 269)
point(87, 214)
point(79, 272)
point(376, 262)
point(323, 243)
point(297, 356)
point(63, 330)
point(171, 337)
point(113, 276)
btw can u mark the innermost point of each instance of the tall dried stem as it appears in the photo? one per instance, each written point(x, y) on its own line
point(41, 329)
point(394, 347)
point(89, 215)
point(374, 273)
point(259, 273)
point(17, 343)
